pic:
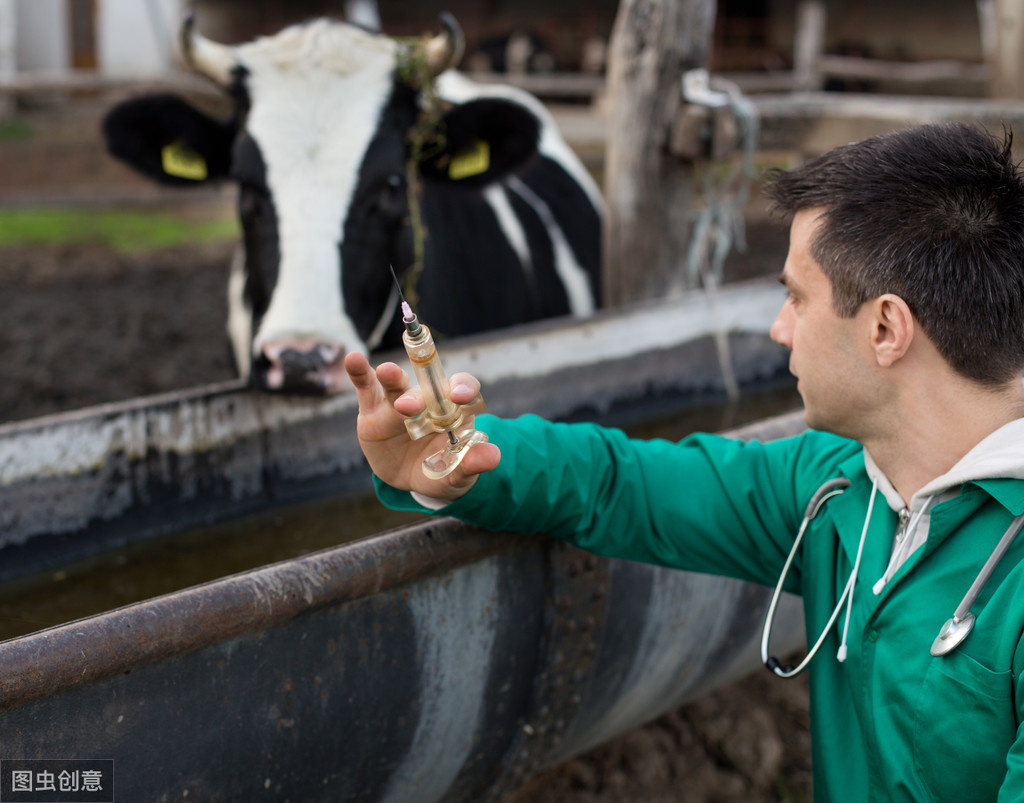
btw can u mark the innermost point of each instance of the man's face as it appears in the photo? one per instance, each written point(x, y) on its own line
point(828, 355)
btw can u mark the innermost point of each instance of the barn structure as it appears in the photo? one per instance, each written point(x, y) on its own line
point(118, 38)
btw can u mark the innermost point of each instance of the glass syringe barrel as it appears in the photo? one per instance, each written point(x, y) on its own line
point(441, 413)
point(426, 364)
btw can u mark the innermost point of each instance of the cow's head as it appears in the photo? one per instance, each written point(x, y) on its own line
point(318, 145)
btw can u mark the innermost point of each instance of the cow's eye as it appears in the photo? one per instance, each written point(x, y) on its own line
point(395, 182)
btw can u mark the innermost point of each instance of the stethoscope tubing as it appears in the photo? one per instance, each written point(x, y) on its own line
point(986, 571)
point(953, 632)
point(829, 489)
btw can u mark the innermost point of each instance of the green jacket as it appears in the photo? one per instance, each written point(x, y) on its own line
point(891, 722)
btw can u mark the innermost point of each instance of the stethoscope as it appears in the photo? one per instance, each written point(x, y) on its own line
point(953, 632)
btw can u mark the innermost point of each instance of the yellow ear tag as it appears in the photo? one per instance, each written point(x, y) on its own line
point(181, 161)
point(471, 161)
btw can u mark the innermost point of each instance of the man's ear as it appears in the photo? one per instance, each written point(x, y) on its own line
point(892, 328)
point(167, 140)
point(485, 140)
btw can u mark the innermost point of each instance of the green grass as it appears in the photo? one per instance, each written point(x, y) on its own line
point(13, 129)
point(120, 230)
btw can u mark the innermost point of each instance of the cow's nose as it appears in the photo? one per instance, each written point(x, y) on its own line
point(301, 365)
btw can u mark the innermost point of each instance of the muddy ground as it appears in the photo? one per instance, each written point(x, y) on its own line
point(81, 325)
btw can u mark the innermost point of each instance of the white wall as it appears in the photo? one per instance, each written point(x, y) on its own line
point(8, 38)
point(137, 37)
point(8, 50)
point(43, 33)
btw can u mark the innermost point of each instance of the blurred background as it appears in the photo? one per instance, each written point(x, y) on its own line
point(144, 267)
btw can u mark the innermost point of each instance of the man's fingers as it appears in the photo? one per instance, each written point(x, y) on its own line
point(410, 403)
point(464, 387)
point(368, 390)
point(480, 458)
point(393, 380)
point(376, 391)
point(406, 400)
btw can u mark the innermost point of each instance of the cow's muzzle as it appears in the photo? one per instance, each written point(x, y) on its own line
point(300, 366)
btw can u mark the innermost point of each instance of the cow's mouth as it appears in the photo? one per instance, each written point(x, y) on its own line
point(302, 367)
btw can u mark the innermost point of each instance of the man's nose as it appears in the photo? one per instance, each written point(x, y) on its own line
point(781, 331)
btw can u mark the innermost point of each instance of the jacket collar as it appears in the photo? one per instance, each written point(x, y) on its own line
point(1006, 491)
point(849, 509)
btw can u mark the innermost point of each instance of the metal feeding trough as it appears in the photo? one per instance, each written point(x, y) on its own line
point(432, 662)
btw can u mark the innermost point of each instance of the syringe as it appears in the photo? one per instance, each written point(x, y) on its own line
point(441, 413)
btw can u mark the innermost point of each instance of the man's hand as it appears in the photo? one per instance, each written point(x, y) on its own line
point(385, 401)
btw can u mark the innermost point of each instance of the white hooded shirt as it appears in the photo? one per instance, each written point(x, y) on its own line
point(998, 455)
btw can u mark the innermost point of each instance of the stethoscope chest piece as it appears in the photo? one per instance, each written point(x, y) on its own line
point(952, 635)
point(959, 627)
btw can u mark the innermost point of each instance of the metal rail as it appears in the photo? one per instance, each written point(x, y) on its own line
point(436, 662)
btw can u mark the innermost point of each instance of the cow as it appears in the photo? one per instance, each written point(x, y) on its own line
point(488, 217)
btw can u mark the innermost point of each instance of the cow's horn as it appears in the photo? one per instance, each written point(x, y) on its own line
point(445, 50)
point(206, 57)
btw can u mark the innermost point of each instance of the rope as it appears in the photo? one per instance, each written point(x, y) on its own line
point(426, 138)
point(726, 189)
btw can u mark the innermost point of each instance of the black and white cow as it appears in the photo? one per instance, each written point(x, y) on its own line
point(318, 147)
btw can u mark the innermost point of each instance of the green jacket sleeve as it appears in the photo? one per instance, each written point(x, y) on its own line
point(707, 503)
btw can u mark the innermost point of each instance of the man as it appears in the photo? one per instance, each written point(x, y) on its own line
point(905, 323)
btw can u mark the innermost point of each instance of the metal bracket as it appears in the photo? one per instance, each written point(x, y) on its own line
point(706, 126)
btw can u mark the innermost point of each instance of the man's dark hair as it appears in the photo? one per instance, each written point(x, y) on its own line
point(935, 215)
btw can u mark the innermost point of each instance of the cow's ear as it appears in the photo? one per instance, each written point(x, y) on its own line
point(484, 140)
point(166, 139)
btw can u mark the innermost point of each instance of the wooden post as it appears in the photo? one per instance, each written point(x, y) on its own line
point(1007, 67)
point(649, 191)
point(988, 29)
point(808, 45)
